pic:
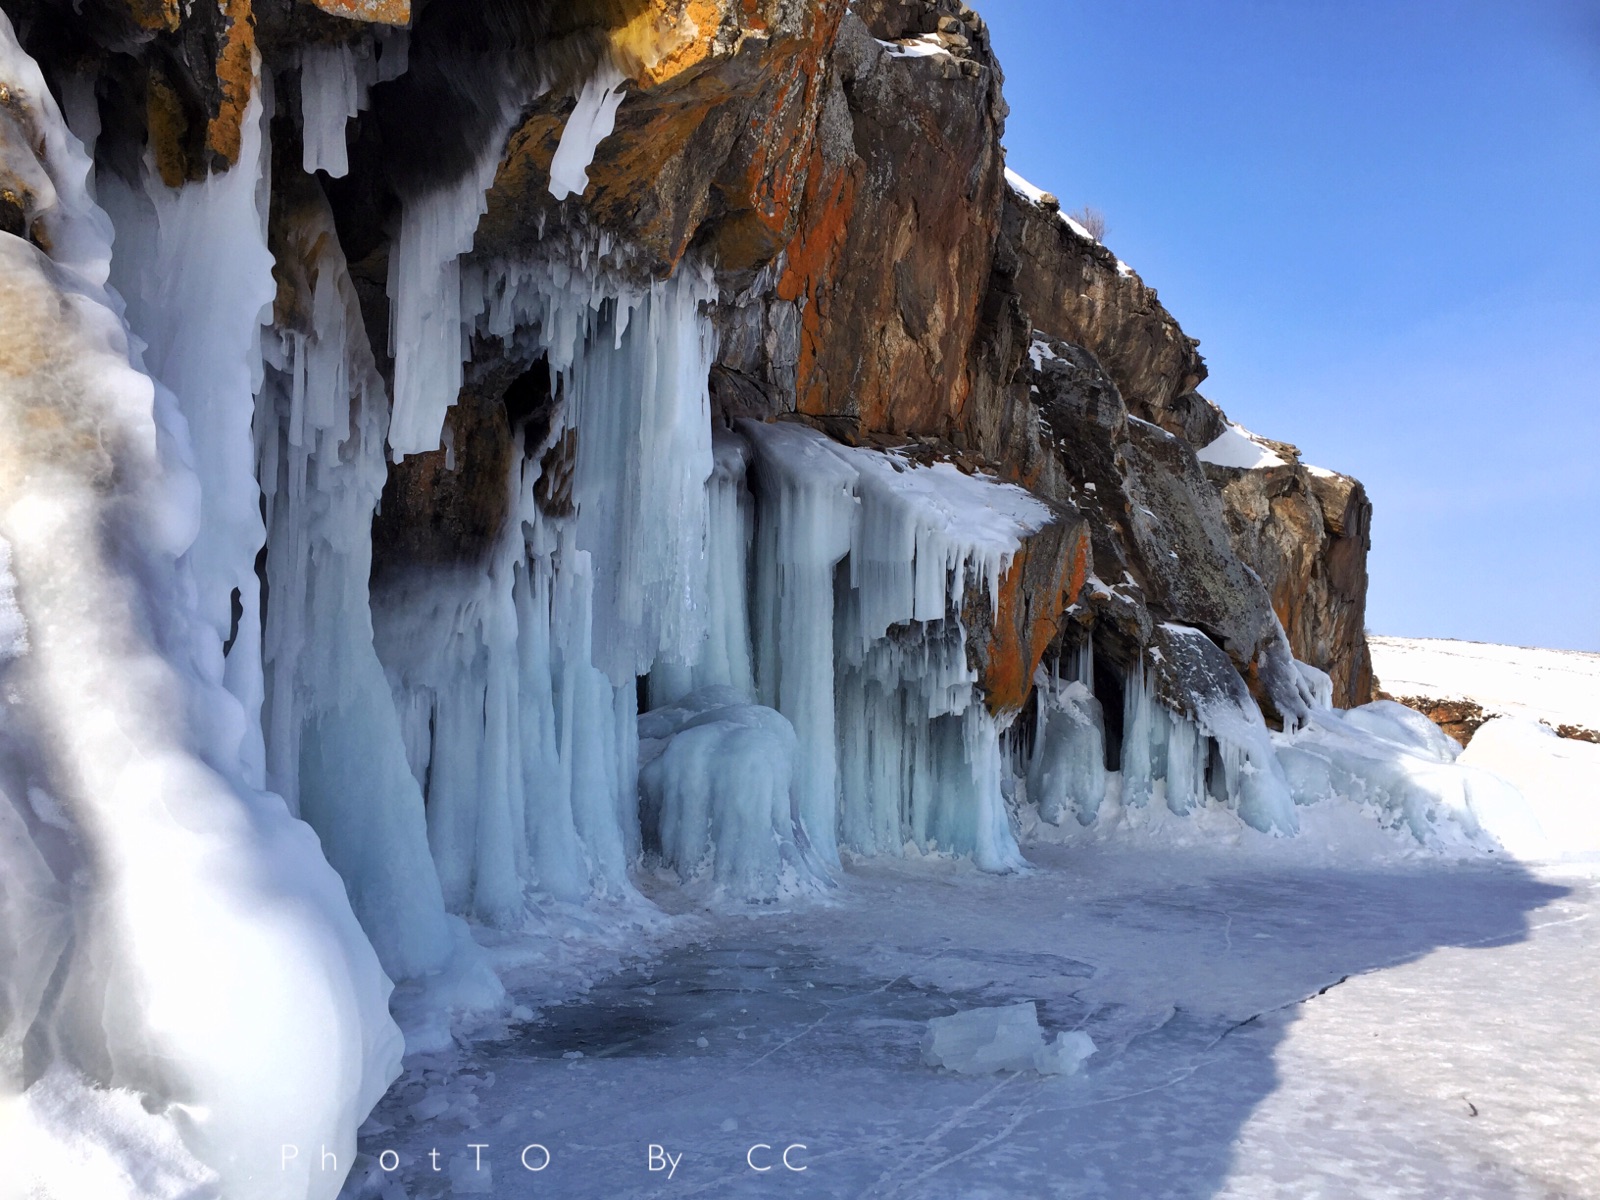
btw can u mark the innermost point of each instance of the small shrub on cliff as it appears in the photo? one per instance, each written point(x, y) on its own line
point(1093, 220)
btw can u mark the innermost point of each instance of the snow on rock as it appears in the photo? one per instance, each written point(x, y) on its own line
point(715, 778)
point(181, 941)
point(983, 1041)
point(1237, 447)
point(927, 45)
point(1036, 195)
point(1247, 775)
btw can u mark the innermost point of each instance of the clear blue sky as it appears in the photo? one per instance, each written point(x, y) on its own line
point(1382, 220)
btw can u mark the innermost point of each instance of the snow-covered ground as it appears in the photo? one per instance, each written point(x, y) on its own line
point(1340, 1014)
point(1408, 1027)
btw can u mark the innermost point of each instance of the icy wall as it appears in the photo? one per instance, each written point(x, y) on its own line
point(528, 446)
point(185, 985)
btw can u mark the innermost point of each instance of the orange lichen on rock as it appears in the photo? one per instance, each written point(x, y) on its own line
point(742, 102)
point(1034, 593)
point(168, 130)
point(761, 189)
point(663, 40)
point(236, 70)
point(813, 256)
point(155, 14)
point(378, 12)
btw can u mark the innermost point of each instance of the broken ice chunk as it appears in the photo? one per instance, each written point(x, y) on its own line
point(982, 1041)
point(1064, 1055)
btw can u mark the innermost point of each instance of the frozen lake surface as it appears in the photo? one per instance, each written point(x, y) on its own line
point(1265, 1028)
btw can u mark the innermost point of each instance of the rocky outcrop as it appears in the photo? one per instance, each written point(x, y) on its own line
point(1078, 291)
point(1305, 532)
point(1458, 718)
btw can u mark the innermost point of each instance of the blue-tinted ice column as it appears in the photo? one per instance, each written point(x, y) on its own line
point(807, 508)
point(334, 744)
point(193, 266)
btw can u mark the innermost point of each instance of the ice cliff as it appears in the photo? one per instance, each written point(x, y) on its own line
point(455, 454)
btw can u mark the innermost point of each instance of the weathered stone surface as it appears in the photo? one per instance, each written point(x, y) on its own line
point(1306, 532)
point(1161, 546)
point(898, 233)
point(1075, 289)
point(1007, 640)
point(711, 146)
point(1579, 733)
point(178, 76)
point(383, 12)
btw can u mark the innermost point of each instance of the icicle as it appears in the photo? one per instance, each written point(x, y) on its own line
point(426, 334)
point(330, 94)
point(729, 528)
point(993, 846)
point(1138, 707)
point(640, 405)
point(1318, 682)
point(1187, 751)
point(1083, 664)
point(590, 124)
point(803, 531)
point(915, 538)
point(335, 748)
point(193, 265)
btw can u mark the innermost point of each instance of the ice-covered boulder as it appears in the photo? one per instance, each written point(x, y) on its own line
point(716, 780)
point(981, 1041)
point(1394, 722)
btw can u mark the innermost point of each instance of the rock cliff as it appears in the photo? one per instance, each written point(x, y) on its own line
point(840, 170)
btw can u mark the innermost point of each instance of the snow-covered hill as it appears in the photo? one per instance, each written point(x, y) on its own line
point(1529, 693)
point(1557, 686)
